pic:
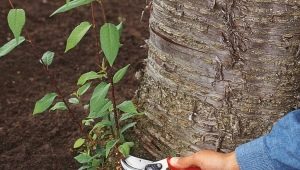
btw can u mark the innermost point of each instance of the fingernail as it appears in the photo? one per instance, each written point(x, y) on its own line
point(174, 160)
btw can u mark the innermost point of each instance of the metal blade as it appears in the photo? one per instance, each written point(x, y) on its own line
point(134, 163)
point(125, 166)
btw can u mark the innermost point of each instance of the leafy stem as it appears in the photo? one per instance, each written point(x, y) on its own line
point(54, 83)
point(106, 121)
point(70, 111)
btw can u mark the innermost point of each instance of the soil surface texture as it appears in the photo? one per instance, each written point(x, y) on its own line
point(45, 141)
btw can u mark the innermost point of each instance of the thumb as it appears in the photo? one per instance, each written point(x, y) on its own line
point(182, 162)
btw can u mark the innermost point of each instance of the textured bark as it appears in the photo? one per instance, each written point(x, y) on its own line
point(219, 72)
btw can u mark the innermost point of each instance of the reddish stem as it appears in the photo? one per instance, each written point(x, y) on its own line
point(11, 4)
point(98, 60)
point(103, 11)
point(70, 111)
point(116, 114)
point(93, 16)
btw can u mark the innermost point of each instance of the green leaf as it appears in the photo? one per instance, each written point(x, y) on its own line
point(71, 5)
point(84, 167)
point(126, 116)
point(77, 34)
point(47, 58)
point(83, 89)
point(93, 168)
point(59, 106)
point(95, 115)
point(120, 74)
point(109, 146)
point(44, 103)
point(79, 142)
point(83, 158)
point(110, 42)
point(104, 134)
point(94, 136)
point(87, 76)
point(122, 138)
point(102, 110)
point(8, 47)
point(96, 163)
point(120, 28)
point(87, 122)
point(126, 127)
point(125, 148)
point(16, 21)
point(98, 97)
point(106, 107)
point(127, 107)
point(100, 151)
point(73, 100)
point(101, 124)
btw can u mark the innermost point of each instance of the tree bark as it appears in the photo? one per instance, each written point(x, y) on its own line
point(219, 72)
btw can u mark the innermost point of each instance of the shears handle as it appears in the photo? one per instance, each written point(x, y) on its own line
point(172, 168)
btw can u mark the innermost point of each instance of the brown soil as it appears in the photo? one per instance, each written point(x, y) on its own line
point(45, 141)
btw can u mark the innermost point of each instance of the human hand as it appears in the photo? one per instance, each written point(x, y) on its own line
point(207, 160)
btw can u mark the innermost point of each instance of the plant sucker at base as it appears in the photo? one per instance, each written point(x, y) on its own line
point(102, 143)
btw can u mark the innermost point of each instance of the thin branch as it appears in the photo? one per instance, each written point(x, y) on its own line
point(11, 4)
point(115, 131)
point(116, 114)
point(93, 16)
point(53, 81)
point(102, 10)
point(70, 111)
point(98, 51)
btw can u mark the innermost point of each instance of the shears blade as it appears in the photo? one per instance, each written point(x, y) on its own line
point(134, 163)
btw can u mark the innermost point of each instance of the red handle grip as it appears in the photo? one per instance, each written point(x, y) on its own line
point(173, 168)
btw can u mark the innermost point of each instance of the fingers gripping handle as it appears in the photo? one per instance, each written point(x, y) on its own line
point(173, 168)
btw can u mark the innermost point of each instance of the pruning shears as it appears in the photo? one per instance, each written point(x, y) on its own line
point(134, 163)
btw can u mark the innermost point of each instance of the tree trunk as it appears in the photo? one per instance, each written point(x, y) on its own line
point(219, 72)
